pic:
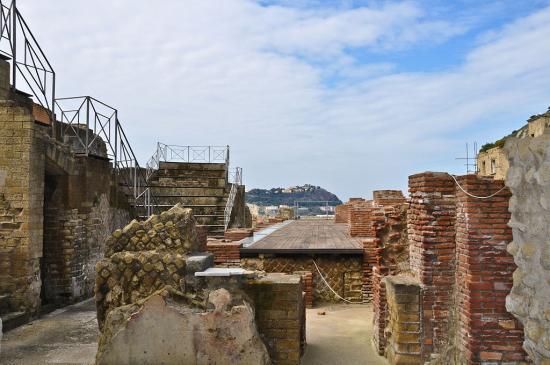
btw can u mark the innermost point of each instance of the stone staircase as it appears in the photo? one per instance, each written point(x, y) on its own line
point(202, 187)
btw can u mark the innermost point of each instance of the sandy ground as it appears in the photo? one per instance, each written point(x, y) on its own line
point(341, 337)
point(69, 336)
point(65, 336)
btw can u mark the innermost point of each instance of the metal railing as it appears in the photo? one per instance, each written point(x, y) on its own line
point(236, 176)
point(28, 61)
point(236, 180)
point(193, 154)
point(91, 127)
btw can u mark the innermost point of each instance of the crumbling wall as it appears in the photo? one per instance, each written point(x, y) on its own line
point(390, 256)
point(459, 265)
point(144, 257)
point(529, 180)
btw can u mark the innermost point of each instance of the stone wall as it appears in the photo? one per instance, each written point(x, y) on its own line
point(22, 161)
point(529, 181)
point(280, 315)
point(344, 273)
point(403, 323)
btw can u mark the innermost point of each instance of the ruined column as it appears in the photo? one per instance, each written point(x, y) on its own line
point(486, 331)
point(430, 222)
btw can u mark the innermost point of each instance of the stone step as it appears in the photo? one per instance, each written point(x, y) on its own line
point(12, 320)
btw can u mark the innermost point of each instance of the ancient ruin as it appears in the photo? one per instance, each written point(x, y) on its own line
point(105, 260)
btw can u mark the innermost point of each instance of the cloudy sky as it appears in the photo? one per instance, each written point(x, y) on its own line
point(350, 95)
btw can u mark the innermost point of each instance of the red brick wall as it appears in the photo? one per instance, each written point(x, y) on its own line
point(225, 253)
point(430, 224)
point(363, 219)
point(341, 213)
point(388, 197)
point(307, 280)
point(237, 234)
point(484, 274)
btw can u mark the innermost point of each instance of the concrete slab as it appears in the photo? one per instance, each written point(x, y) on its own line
point(65, 336)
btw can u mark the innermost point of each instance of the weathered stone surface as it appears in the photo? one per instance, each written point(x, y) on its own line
point(163, 329)
point(529, 180)
point(172, 230)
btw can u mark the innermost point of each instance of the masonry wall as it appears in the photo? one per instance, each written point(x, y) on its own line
point(529, 300)
point(280, 316)
point(404, 320)
point(21, 186)
point(391, 257)
point(430, 224)
point(344, 273)
point(226, 253)
point(487, 332)
point(54, 209)
point(462, 272)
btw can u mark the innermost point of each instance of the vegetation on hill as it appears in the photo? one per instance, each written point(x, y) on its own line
point(287, 196)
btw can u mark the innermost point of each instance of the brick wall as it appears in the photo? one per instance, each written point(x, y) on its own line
point(430, 224)
point(388, 197)
point(379, 306)
point(341, 213)
point(391, 257)
point(237, 234)
point(488, 333)
point(225, 253)
point(462, 271)
point(307, 280)
point(363, 219)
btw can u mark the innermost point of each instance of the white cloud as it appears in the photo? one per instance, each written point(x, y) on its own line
point(234, 72)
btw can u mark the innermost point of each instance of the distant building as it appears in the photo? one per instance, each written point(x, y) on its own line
point(493, 162)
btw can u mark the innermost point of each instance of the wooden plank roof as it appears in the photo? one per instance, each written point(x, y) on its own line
point(308, 236)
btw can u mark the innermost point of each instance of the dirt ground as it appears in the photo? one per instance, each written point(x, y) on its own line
point(69, 336)
point(340, 337)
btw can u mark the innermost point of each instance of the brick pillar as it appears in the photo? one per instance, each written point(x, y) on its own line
point(488, 333)
point(430, 225)
point(307, 280)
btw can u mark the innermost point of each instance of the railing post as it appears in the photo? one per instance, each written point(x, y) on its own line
point(87, 123)
point(14, 42)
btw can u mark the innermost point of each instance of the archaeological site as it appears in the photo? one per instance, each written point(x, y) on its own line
point(107, 259)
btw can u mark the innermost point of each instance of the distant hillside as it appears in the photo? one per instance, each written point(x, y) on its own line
point(287, 196)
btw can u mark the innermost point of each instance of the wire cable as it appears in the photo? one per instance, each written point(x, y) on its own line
point(328, 286)
point(472, 195)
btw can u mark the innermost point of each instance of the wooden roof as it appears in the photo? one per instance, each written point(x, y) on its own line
point(308, 236)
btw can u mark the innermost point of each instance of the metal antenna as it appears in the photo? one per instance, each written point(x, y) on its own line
point(470, 162)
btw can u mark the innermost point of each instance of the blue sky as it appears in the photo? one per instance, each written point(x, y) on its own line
point(350, 95)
